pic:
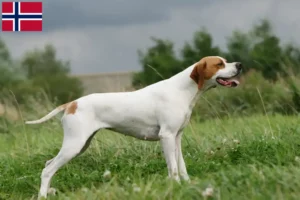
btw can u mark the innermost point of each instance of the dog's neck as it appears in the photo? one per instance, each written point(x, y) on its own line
point(188, 87)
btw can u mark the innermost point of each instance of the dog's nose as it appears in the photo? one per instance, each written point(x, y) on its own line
point(239, 66)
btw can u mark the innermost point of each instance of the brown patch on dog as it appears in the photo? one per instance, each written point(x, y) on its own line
point(206, 68)
point(71, 109)
point(198, 73)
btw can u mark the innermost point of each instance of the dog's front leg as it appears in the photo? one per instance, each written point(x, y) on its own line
point(181, 164)
point(168, 143)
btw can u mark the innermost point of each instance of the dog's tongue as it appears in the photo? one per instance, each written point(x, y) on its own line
point(230, 83)
point(224, 82)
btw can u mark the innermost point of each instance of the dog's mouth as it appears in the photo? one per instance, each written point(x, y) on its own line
point(228, 82)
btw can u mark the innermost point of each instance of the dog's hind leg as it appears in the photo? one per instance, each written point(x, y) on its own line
point(87, 144)
point(76, 139)
point(48, 162)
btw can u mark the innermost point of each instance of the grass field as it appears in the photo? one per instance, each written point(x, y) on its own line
point(256, 157)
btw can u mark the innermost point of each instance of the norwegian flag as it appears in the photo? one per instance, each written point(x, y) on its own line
point(22, 16)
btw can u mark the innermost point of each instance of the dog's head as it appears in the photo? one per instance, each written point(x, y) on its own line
point(214, 70)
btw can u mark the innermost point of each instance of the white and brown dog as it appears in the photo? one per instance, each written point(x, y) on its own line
point(157, 112)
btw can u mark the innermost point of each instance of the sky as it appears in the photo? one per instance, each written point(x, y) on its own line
point(101, 36)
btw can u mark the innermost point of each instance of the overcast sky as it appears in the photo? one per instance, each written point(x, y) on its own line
point(104, 35)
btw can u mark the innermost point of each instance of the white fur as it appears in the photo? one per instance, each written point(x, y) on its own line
point(157, 112)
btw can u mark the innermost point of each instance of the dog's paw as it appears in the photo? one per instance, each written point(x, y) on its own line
point(41, 197)
point(52, 191)
point(185, 178)
point(176, 179)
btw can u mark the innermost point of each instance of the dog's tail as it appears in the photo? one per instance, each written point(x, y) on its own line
point(49, 115)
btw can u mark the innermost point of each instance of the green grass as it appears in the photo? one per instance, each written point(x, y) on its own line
point(256, 157)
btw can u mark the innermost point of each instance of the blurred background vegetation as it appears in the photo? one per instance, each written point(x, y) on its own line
point(270, 81)
point(39, 71)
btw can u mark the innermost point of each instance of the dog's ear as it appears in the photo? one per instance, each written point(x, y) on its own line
point(198, 73)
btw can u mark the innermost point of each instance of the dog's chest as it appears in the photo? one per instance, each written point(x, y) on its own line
point(186, 119)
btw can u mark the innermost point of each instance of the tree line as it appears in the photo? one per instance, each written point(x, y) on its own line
point(258, 49)
point(40, 72)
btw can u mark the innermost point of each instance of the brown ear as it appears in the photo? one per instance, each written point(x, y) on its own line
point(198, 73)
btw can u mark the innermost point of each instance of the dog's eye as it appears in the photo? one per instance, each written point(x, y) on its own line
point(220, 64)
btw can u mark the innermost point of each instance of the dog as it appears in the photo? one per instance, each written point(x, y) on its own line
point(158, 112)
